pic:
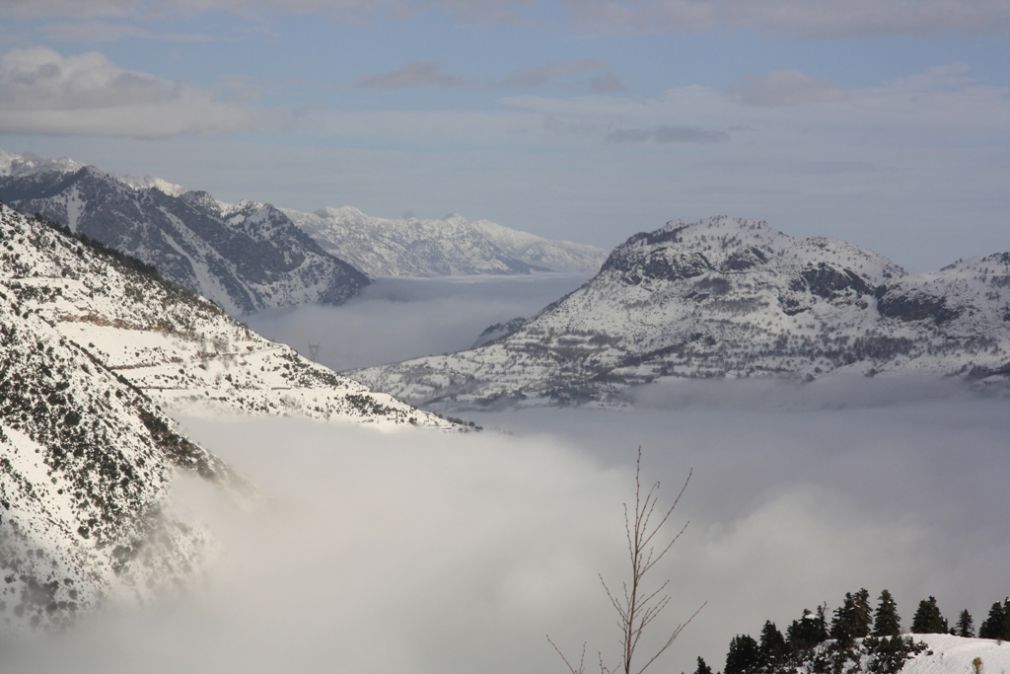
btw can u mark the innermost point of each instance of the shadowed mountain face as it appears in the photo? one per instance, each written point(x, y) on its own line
point(725, 297)
point(247, 256)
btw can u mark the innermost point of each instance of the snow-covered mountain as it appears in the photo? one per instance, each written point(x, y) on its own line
point(441, 247)
point(245, 256)
point(183, 351)
point(86, 461)
point(725, 297)
point(95, 353)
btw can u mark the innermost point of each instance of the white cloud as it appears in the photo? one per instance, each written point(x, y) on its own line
point(786, 87)
point(45, 92)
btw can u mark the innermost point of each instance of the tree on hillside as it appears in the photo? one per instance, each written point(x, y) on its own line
point(928, 619)
point(743, 656)
point(639, 603)
point(852, 618)
point(997, 624)
point(887, 622)
point(772, 647)
point(703, 667)
point(965, 625)
point(810, 630)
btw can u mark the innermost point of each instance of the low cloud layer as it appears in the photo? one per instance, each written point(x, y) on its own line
point(45, 92)
point(441, 554)
point(398, 319)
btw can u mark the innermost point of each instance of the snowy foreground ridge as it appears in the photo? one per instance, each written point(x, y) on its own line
point(725, 297)
point(440, 247)
point(93, 346)
point(183, 351)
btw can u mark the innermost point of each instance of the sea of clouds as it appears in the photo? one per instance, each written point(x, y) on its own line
point(435, 553)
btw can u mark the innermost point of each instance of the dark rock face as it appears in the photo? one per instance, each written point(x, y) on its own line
point(499, 331)
point(916, 307)
point(827, 281)
point(662, 264)
point(247, 258)
point(745, 259)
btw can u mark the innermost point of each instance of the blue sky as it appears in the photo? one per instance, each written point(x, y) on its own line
point(884, 122)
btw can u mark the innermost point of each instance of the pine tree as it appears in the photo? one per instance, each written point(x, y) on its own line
point(928, 619)
point(997, 624)
point(703, 667)
point(841, 622)
point(852, 618)
point(743, 656)
point(862, 614)
point(887, 623)
point(808, 631)
point(772, 648)
point(965, 625)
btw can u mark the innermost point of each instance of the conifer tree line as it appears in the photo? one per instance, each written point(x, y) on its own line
point(854, 619)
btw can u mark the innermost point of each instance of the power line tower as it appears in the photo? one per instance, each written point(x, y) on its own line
point(314, 351)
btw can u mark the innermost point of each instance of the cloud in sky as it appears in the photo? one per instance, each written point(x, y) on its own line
point(45, 92)
point(786, 87)
point(109, 31)
point(802, 18)
point(819, 19)
point(599, 75)
point(668, 134)
point(412, 75)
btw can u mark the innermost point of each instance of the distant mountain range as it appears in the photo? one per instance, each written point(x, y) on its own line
point(245, 256)
point(249, 256)
point(448, 246)
point(96, 352)
point(728, 298)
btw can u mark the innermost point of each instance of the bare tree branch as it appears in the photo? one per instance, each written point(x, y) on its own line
point(640, 606)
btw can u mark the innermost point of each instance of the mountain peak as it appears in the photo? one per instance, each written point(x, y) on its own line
point(26, 164)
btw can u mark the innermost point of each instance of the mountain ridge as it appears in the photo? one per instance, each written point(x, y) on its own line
point(728, 298)
point(246, 256)
point(447, 246)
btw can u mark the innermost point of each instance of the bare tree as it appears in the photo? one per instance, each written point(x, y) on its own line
point(639, 604)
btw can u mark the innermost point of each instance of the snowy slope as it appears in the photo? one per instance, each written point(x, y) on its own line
point(443, 247)
point(182, 350)
point(947, 654)
point(86, 461)
point(725, 297)
point(246, 257)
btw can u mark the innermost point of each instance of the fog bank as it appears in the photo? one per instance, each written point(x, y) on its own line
point(431, 553)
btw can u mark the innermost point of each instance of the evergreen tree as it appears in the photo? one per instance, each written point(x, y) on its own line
point(703, 667)
point(808, 631)
point(862, 614)
point(743, 656)
point(773, 645)
point(965, 625)
point(852, 618)
point(928, 619)
point(841, 623)
point(997, 624)
point(887, 623)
